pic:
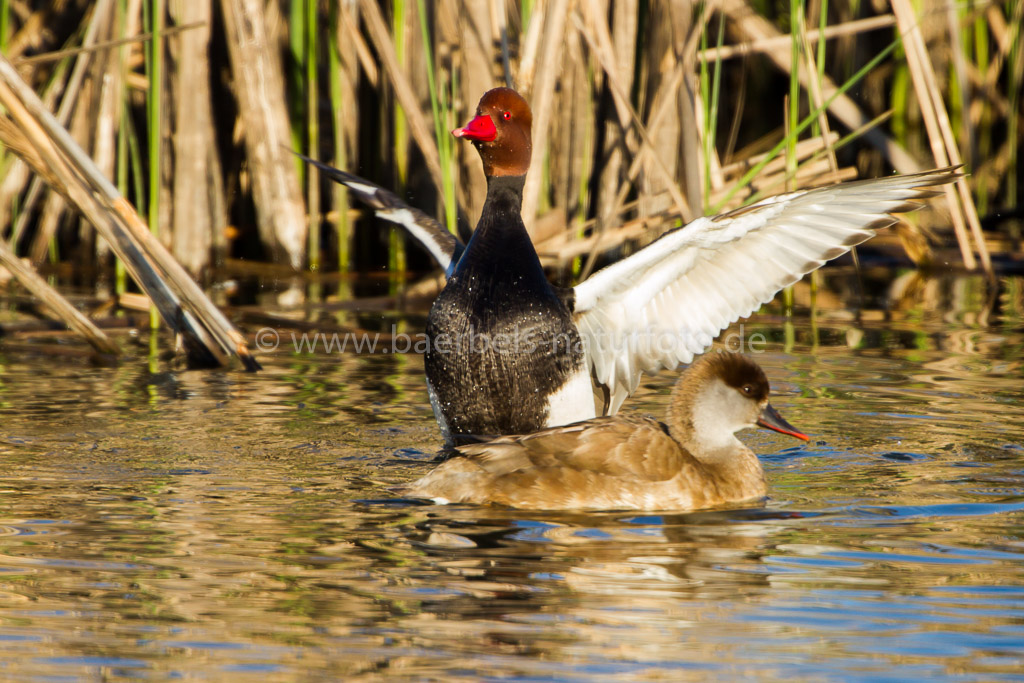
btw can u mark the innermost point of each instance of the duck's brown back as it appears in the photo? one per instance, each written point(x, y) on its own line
point(606, 463)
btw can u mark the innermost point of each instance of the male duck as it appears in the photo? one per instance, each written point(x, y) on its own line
point(692, 460)
point(510, 353)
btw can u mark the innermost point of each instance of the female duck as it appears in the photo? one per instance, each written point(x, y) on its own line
point(692, 460)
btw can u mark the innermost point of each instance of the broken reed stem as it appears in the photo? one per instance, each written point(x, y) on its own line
point(764, 45)
point(60, 306)
point(58, 55)
point(208, 334)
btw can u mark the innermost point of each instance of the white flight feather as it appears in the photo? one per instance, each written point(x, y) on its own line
point(666, 303)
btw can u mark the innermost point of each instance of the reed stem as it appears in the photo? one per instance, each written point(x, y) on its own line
point(154, 105)
point(796, 9)
point(340, 202)
point(445, 148)
point(400, 149)
point(312, 130)
point(5, 19)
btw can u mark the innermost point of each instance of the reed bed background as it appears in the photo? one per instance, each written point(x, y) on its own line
point(646, 115)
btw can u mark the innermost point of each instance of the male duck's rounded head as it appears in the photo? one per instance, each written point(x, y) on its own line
point(720, 394)
point(501, 132)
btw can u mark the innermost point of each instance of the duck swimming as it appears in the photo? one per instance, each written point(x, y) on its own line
point(510, 353)
point(692, 460)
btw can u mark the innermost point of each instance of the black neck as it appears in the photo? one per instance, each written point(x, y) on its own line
point(504, 189)
point(501, 222)
point(500, 243)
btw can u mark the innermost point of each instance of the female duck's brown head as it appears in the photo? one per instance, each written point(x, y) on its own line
point(501, 132)
point(720, 394)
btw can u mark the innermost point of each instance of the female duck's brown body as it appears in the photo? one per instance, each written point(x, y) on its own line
point(693, 460)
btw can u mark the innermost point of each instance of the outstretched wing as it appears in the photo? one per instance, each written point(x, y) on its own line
point(442, 245)
point(668, 301)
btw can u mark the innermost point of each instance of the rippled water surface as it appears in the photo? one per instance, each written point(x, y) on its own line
point(159, 524)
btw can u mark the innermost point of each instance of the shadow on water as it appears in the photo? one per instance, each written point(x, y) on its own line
point(218, 525)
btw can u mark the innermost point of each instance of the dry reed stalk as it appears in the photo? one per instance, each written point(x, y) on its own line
point(259, 87)
point(350, 30)
point(635, 230)
point(940, 135)
point(602, 50)
point(345, 104)
point(663, 101)
point(529, 50)
point(103, 46)
point(959, 62)
point(817, 98)
point(804, 150)
point(60, 306)
point(19, 175)
point(499, 34)
point(470, 30)
point(54, 206)
point(197, 201)
point(30, 280)
point(207, 334)
point(102, 125)
point(418, 128)
point(28, 35)
point(661, 69)
point(809, 174)
point(765, 45)
point(541, 100)
point(757, 28)
point(687, 39)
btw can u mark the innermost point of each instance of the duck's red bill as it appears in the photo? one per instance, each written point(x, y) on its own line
point(480, 129)
point(770, 419)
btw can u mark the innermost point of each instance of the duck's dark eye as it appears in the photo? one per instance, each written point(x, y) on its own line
point(506, 115)
point(747, 389)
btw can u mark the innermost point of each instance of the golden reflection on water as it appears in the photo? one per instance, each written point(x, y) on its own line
point(235, 527)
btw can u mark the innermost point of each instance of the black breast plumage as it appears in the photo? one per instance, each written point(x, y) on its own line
point(502, 341)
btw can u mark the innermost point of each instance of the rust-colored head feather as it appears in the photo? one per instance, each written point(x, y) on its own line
point(501, 132)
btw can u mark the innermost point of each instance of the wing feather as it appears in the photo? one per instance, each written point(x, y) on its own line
point(443, 246)
point(667, 302)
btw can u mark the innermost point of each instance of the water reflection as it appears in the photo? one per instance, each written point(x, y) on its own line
point(228, 526)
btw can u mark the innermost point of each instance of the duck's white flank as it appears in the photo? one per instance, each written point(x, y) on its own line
point(573, 402)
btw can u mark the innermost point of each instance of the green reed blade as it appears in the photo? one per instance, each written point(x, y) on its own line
point(400, 149)
point(444, 148)
point(340, 202)
point(312, 127)
point(154, 134)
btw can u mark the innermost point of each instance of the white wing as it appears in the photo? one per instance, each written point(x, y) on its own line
point(667, 302)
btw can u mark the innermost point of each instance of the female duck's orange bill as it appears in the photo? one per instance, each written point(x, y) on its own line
point(770, 419)
point(480, 129)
